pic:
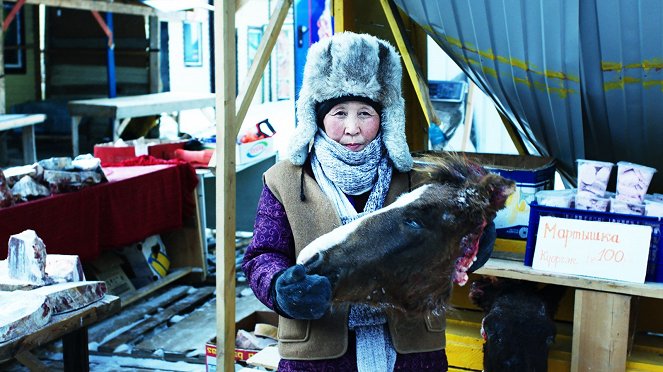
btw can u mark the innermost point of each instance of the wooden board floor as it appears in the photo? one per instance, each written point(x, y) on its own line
point(169, 327)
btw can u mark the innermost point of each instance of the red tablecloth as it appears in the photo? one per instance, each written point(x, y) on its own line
point(137, 202)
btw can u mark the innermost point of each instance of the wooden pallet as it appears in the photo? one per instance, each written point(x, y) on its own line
point(172, 324)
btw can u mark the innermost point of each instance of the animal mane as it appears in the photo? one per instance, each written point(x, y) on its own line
point(446, 167)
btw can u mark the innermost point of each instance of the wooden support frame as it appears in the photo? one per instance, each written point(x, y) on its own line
point(225, 81)
point(228, 123)
point(413, 68)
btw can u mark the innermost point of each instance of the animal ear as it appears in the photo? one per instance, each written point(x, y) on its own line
point(552, 295)
point(483, 292)
point(497, 189)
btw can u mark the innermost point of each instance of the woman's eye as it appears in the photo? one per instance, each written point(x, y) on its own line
point(340, 113)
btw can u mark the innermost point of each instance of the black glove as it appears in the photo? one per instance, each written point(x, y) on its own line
point(485, 247)
point(301, 296)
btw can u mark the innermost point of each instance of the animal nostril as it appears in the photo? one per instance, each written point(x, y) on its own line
point(314, 261)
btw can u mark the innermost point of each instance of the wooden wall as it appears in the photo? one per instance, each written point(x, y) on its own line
point(368, 17)
point(76, 57)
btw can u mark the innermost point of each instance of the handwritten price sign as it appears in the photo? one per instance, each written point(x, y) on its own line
point(607, 250)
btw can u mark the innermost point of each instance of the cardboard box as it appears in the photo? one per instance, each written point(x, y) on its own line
point(161, 149)
point(255, 151)
point(247, 323)
point(531, 174)
point(108, 268)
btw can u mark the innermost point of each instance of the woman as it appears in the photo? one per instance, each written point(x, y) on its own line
point(348, 156)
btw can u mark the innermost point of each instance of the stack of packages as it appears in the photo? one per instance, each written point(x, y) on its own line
point(631, 191)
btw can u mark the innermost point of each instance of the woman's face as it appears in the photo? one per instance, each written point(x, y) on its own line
point(353, 124)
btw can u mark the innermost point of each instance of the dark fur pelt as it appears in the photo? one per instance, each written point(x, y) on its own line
point(518, 323)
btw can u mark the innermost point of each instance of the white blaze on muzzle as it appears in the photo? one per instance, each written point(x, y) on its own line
point(340, 234)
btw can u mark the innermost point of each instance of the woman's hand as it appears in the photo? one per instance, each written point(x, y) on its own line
point(302, 296)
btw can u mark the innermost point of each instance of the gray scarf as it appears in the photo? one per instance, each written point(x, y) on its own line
point(340, 171)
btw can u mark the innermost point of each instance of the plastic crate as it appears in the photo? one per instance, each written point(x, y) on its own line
point(655, 260)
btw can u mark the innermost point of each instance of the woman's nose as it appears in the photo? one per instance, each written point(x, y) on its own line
point(352, 126)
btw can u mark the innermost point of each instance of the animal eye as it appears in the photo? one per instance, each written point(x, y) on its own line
point(412, 223)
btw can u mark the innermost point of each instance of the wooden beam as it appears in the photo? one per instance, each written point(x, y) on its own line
point(413, 68)
point(225, 82)
point(469, 114)
point(513, 134)
point(261, 59)
point(117, 8)
point(2, 63)
point(154, 56)
point(240, 3)
point(600, 331)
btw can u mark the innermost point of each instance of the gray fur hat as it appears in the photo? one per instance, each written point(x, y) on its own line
point(349, 64)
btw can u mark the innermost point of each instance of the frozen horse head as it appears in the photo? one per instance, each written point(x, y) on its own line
point(408, 254)
point(518, 324)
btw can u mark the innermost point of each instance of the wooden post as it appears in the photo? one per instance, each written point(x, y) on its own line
point(600, 331)
point(2, 61)
point(263, 53)
point(513, 134)
point(225, 81)
point(412, 66)
point(154, 55)
point(469, 113)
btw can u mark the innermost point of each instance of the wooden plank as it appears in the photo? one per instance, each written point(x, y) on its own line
point(12, 121)
point(139, 331)
point(131, 314)
point(469, 114)
point(60, 325)
point(186, 336)
point(101, 6)
point(600, 331)
point(513, 134)
point(32, 362)
point(412, 66)
point(3, 99)
point(245, 96)
point(225, 82)
point(172, 276)
point(517, 270)
point(141, 105)
point(155, 60)
point(187, 246)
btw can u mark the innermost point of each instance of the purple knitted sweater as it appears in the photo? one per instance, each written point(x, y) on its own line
point(273, 250)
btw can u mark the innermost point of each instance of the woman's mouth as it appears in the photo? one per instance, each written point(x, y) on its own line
point(354, 146)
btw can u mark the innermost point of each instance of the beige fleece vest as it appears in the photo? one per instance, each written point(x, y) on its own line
point(327, 337)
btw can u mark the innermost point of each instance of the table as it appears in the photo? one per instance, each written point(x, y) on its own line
point(121, 109)
point(27, 123)
point(601, 312)
point(71, 327)
point(137, 202)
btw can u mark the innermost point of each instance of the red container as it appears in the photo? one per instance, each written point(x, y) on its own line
point(161, 149)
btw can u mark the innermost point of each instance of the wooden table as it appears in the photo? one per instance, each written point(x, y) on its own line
point(71, 327)
point(121, 109)
point(601, 313)
point(27, 122)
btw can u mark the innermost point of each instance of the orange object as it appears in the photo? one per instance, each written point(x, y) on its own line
point(198, 159)
point(258, 134)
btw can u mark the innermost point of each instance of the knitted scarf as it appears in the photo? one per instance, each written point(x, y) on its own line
point(339, 171)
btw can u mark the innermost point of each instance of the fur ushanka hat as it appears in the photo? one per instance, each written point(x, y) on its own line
point(349, 64)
